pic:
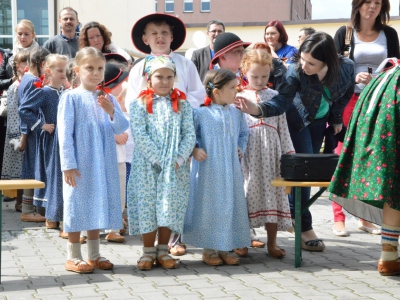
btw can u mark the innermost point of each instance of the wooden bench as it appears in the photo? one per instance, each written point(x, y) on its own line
point(18, 184)
point(298, 209)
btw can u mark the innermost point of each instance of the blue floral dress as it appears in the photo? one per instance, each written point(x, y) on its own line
point(47, 163)
point(157, 193)
point(216, 216)
point(86, 140)
point(12, 159)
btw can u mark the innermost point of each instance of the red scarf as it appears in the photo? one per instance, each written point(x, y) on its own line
point(207, 101)
point(175, 96)
point(39, 84)
point(105, 89)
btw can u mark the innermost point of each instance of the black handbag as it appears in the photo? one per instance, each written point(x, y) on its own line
point(308, 167)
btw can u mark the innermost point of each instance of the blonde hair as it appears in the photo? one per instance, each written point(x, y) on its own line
point(256, 56)
point(83, 54)
point(52, 59)
point(27, 24)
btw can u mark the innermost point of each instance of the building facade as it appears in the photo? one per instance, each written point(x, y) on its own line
point(235, 13)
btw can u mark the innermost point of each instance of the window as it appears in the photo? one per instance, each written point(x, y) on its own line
point(205, 6)
point(13, 11)
point(169, 6)
point(188, 5)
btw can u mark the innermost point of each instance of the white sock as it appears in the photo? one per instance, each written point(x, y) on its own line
point(162, 250)
point(93, 249)
point(74, 251)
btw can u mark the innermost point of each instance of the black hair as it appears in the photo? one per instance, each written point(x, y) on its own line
point(37, 57)
point(216, 22)
point(308, 30)
point(216, 79)
point(321, 47)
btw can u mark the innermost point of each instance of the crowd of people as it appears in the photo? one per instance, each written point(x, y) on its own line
point(190, 147)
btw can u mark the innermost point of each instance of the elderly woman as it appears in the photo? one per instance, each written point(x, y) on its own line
point(25, 40)
point(276, 37)
point(97, 35)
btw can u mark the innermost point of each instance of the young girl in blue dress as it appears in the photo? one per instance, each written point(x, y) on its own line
point(158, 190)
point(216, 217)
point(31, 125)
point(47, 166)
point(86, 125)
point(13, 153)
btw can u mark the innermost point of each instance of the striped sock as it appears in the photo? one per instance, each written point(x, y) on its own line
point(390, 236)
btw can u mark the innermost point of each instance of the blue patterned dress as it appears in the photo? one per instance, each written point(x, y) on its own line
point(157, 194)
point(47, 164)
point(12, 159)
point(216, 216)
point(30, 123)
point(86, 139)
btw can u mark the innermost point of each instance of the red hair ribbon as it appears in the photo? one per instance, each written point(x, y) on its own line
point(105, 89)
point(207, 101)
point(39, 84)
point(176, 95)
point(26, 69)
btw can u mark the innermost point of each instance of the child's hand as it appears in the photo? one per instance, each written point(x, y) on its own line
point(48, 127)
point(240, 153)
point(22, 146)
point(199, 154)
point(69, 176)
point(176, 166)
point(121, 139)
point(106, 105)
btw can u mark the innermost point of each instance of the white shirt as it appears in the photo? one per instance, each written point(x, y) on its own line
point(188, 81)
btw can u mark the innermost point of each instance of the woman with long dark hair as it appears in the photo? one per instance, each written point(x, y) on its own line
point(314, 91)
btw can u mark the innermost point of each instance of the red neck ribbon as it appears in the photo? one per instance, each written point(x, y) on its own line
point(207, 101)
point(175, 96)
point(105, 89)
point(39, 84)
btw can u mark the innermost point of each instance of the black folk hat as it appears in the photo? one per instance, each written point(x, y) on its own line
point(116, 57)
point(114, 76)
point(179, 33)
point(224, 43)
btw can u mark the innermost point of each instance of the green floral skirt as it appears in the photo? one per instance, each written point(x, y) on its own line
point(368, 168)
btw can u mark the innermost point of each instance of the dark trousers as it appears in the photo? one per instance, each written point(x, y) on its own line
point(308, 140)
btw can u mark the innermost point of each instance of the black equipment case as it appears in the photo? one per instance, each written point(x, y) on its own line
point(308, 167)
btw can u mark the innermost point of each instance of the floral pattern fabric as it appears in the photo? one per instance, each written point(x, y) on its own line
point(12, 159)
point(86, 140)
point(269, 138)
point(216, 217)
point(157, 193)
point(369, 166)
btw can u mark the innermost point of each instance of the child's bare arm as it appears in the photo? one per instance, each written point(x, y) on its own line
point(199, 154)
point(69, 176)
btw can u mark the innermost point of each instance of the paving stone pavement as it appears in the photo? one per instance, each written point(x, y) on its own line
point(33, 260)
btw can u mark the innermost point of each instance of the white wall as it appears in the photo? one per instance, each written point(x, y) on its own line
point(117, 15)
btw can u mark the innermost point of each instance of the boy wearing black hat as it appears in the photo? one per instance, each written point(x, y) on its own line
point(162, 34)
point(229, 50)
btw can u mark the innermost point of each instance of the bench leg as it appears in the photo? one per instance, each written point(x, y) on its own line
point(297, 227)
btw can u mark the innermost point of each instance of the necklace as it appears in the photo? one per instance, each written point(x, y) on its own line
point(373, 32)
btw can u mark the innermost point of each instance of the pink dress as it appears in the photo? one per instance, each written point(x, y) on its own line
point(269, 139)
